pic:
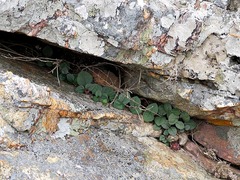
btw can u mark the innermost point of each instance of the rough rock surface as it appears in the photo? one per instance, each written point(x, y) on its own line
point(224, 141)
point(189, 49)
point(103, 145)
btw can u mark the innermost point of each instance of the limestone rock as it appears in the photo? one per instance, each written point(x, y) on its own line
point(191, 47)
point(83, 142)
point(187, 50)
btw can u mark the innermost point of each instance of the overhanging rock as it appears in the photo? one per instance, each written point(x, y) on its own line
point(99, 140)
point(188, 52)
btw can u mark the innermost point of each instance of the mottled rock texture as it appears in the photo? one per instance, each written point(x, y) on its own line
point(225, 141)
point(106, 143)
point(184, 52)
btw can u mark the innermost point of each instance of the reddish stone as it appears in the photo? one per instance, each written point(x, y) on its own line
point(217, 138)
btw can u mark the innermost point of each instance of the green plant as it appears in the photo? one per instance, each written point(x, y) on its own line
point(135, 105)
point(170, 120)
point(83, 79)
point(163, 116)
point(121, 101)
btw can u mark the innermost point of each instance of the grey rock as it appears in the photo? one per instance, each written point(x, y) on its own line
point(99, 144)
point(193, 44)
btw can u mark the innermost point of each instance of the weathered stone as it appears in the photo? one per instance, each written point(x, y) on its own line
point(193, 44)
point(103, 145)
point(223, 140)
point(219, 168)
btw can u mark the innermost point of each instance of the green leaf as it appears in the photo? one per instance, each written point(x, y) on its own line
point(80, 89)
point(179, 125)
point(109, 92)
point(95, 99)
point(191, 124)
point(153, 108)
point(156, 128)
point(162, 138)
point(135, 101)
point(167, 107)
point(98, 93)
point(104, 101)
point(182, 130)
point(172, 119)
point(176, 111)
point(84, 78)
point(62, 77)
point(71, 78)
point(161, 110)
point(118, 105)
point(135, 110)
point(148, 116)
point(187, 127)
point(166, 125)
point(185, 116)
point(160, 120)
point(165, 132)
point(172, 131)
point(64, 68)
point(135, 104)
point(93, 87)
point(124, 98)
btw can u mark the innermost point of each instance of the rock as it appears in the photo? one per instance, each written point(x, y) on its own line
point(223, 140)
point(85, 140)
point(183, 52)
point(219, 168)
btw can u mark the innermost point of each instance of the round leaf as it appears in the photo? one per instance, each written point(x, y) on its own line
point(62, 77)
point(64, 67)
point(187, 127)
point(124, 98)
point(185, 116)
point(179, 125)
point(156, 128)
point(176, 111)
point(64, 70)
point(161, 110)
point(160, 120)
point(162, 138)
point(109, 92)
point(80, 89)
point(172, 131)
point(172, 119)
point(148, 116)
point(135, 101)
point(153, 108)
point(135, 110)
point(96, 89)
point(166, 125)
point(95, 99)
point(84, 78)
point(104, 101)
point(118, 105)
point(166, 133)
point(98, 93)
point(70, 78)
point(192, 124)
point(167, 107)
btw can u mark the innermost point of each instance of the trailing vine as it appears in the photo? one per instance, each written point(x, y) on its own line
point(170, 120)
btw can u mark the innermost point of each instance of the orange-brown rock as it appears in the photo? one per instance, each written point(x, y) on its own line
point(223, 140)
